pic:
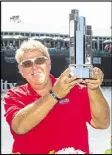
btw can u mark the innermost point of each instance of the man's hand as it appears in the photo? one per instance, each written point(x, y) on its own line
point(94, 84)
point(64, 84)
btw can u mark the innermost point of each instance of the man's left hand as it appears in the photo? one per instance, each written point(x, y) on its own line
point(97, 81)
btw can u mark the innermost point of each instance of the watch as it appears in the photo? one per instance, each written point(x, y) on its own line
point(53, 95)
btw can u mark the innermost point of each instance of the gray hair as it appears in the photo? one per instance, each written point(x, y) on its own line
point(31, 46)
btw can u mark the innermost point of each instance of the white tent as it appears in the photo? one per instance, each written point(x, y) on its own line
point(46, 38)
point(35, 38)
point(67, 39)
point(107, 41)
point(58, 38)
point(20, 37)
point(7, 37)
point(94, 40)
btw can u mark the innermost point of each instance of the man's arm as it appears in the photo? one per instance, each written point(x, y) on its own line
point(30, 116)
point(99, 107)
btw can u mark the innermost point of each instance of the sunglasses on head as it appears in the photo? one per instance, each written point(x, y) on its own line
point(29, 62)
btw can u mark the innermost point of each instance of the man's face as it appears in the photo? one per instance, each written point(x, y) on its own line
point(36, 74)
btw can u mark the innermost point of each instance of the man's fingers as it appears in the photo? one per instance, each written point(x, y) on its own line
point(66, 72)
point(97, 73)
point(73, 83)
point(71, 79)
point(95, 69)
point(92, 81)
point(92, 86)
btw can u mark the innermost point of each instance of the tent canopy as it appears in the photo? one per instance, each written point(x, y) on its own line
point(108, 41)
point(58, 38)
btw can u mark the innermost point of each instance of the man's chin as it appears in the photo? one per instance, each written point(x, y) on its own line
point(39, 81)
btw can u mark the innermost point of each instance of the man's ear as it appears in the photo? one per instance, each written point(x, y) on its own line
point(49, 63)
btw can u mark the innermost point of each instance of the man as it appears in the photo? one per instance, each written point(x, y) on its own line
point(50, 114)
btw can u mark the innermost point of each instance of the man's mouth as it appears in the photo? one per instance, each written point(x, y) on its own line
point(36, 74)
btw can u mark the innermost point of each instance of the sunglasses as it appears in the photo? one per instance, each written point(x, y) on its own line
point(29, 62)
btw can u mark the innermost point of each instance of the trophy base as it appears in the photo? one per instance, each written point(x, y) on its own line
point(81, 71)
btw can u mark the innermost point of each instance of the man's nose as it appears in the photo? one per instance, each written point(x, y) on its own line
point(34, 66)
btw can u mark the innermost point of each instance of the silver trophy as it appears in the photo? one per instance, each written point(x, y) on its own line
point(80, 46)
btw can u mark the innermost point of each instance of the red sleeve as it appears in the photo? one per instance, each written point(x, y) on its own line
point(12, 104)
point(87, 111)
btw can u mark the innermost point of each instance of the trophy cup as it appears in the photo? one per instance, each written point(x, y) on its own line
point(80, 46)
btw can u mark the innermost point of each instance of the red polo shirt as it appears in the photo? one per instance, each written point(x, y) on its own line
point(64, 126)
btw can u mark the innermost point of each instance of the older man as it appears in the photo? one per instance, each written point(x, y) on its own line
point(50, 114)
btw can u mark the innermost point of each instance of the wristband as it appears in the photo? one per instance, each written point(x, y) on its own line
point(53, 95)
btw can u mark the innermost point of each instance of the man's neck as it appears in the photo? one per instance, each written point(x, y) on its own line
point(44, 88)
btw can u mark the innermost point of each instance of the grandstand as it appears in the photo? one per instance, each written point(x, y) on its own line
point(58, 46)
point(52, 40)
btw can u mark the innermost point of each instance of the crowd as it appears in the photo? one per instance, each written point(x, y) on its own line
point(108, 47)
point(11, 48)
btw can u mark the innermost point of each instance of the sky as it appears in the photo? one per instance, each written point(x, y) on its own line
point(53, 17)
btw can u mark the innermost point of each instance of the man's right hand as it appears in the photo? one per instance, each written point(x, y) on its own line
point(64, 84)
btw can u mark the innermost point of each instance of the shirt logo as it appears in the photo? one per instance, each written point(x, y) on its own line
point(64, 101)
